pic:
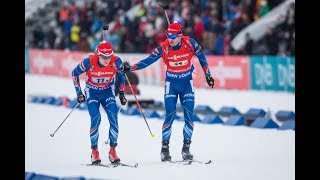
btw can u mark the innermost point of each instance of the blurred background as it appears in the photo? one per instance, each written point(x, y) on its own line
point(138, 26)
point(249, 44)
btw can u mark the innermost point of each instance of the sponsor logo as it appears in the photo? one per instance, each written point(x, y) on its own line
point(92, 101)
point(169, 95)
point(110, 99)
point(169, 29)
point(263, 74)
point(175, 57)
point(99, 73)
point(189, 95)
point(187, 100)
point(42, 62)
point(96, 87)
point(286, 75)
point(184, 74)
point(69, 63)
point(223, 72)
point(178, 75)
point(172, 75)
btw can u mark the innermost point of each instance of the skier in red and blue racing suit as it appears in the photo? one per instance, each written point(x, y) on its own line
point(100, 69)
point(176, 52)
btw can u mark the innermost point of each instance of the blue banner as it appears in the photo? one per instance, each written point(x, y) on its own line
point(26, 61)
point(272, 73)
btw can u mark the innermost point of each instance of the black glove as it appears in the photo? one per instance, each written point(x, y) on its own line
point(210, 81)
point(122, 98)
point(81, 98)
point(126, 67)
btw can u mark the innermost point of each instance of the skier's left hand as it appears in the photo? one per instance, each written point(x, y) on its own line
point(81, 98)
point(122, 98)
point(126, 68)
point(210, 81)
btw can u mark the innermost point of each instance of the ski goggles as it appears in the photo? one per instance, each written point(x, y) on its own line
point(171, 36)
point(104, 56)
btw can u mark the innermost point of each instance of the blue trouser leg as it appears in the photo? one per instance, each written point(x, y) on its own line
point(170, 101)
point(110, 106)
point(187, 102)
point(93, 108)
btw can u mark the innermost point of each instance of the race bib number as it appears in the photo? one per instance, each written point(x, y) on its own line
point(178, 63)
point(100, 80)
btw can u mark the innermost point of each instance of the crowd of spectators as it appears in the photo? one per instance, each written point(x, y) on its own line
point(75, 25)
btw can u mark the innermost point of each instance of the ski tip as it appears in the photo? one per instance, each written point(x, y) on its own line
point(208, 162)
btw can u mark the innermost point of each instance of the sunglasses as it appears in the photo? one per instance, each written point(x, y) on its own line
point(104, 56)
point(171, 36)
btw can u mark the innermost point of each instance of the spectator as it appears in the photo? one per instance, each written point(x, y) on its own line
point(271, 42)
point(51, 37)
point(249, 44)
point(217, 19)
point(83, 43)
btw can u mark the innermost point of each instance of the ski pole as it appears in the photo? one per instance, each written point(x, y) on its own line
point(165, 7)
point(64, 120)
point(153, 135)
point(105, 28)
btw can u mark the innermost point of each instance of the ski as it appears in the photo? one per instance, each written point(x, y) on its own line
point(102, 165)
point(197, 161)
point(189, 162)
point(113, 165)
point(127, 165)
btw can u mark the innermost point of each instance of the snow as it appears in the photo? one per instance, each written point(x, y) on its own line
point(237, 152)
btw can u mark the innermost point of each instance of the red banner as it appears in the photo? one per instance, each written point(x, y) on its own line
point(54, 62)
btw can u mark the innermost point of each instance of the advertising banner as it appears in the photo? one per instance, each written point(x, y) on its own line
point(272, 73)
point(54, 62)
point(229, 72)
point(61, 63)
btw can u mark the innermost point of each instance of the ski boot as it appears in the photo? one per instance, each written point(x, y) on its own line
point(95, 158)
point(113, 154)
point(165, 154)
point(185, 150)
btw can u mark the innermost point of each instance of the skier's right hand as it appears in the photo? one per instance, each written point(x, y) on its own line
point(81, 98)
point(126, 68)
point(210, 81)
